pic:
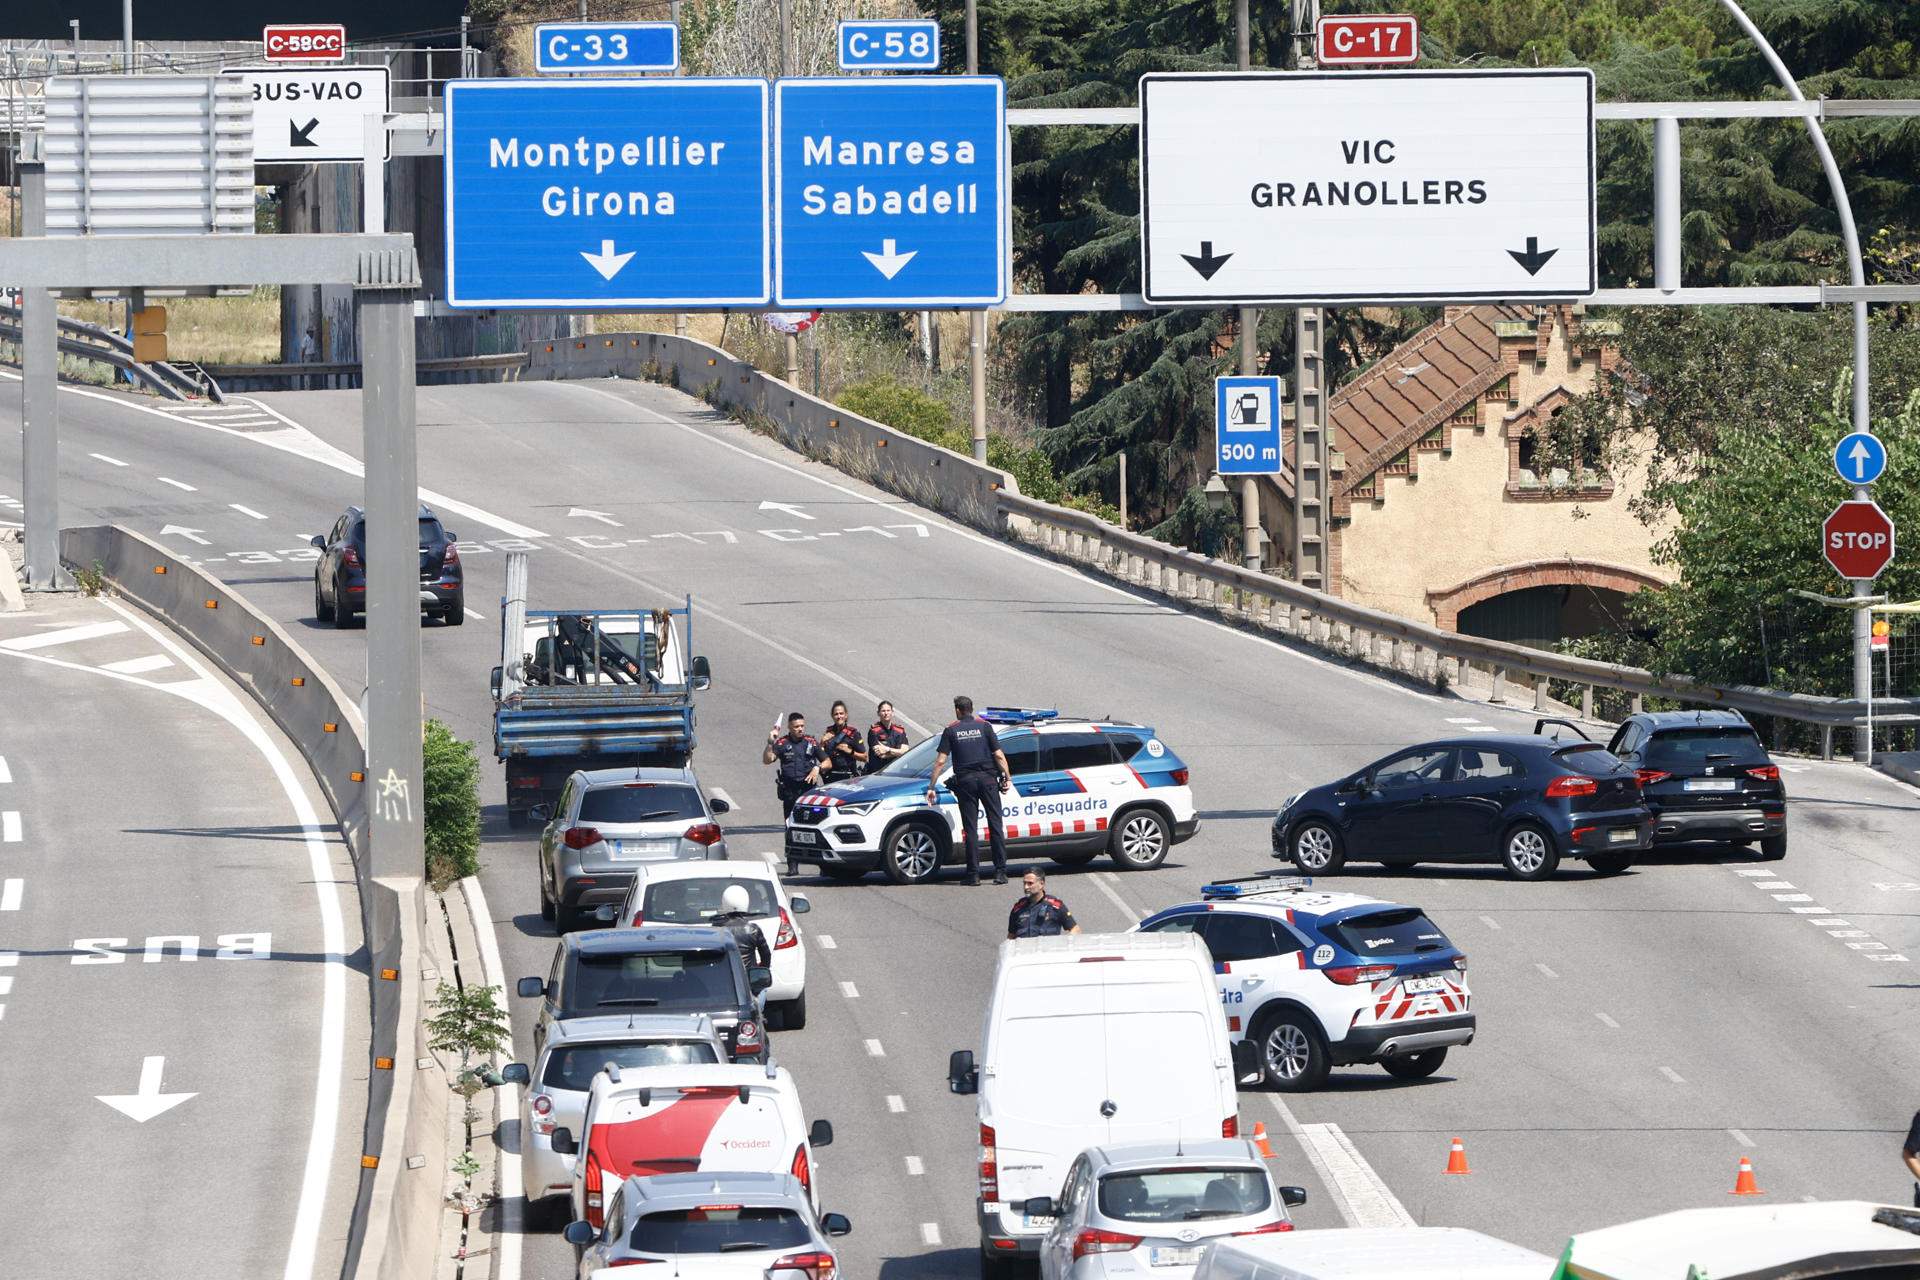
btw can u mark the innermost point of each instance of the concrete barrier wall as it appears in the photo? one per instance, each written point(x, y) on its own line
point(948, 482)
point(395, 1223)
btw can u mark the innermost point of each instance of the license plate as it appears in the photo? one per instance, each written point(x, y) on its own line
point(803, 837)
point(1622, 835)
point(1035, 1221)
point(1712, 784)
point(1183, 1257)
point(640, 848)
point(1424, 984)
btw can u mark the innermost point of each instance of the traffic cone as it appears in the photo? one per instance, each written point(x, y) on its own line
point(1457, 1158)
point(1743, 1183)
point(1260, 1142)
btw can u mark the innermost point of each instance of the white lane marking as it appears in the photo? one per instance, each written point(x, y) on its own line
point(475, 613)
point(10, 827)
point(1793, 897)
point(495, 973)
point(1848, 933)
point(134, 666)
point(1809, 911)
point(1491, 923)
point(1133, 914)
point(246, 511)
point(1606, 1019)
point(1463, 719)
point(914, 1168)
point(66, 635)
point(8, 959)
point(826, 940)
point(1770, 884)
point(112, 462)
point(769, 856)
point(1866, 946)
point(1363, 1198)
point(930, 1232)
point(875, 1049)
point(10, 890)
point(1889, 956)
point(896, 1103)
point(1546, 971)
point(1832, 922)
point(1482, 728)
point(850, 991)
point(1740, 1138)
point(1756, 873)
point(178, 484)
point(6, 985)
point(1672, 1075)
point(6, 775)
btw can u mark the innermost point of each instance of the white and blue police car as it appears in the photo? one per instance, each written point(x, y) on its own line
point(1080, 788)
point(1312, 980)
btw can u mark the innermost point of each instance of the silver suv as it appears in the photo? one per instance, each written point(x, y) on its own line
point(757, 1222)
point(606, 821)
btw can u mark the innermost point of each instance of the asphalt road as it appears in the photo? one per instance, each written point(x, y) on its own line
point(1638, 1034)
point(180, 1018)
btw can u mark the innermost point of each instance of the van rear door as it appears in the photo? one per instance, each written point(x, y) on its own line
point(1040, 1090)
point(1167, 1070)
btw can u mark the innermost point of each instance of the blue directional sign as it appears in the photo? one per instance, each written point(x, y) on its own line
point(1246, 422)
point(1860, 458)
point(890, 192)
point(631, 194)
point(600, 47)
point(911, 44)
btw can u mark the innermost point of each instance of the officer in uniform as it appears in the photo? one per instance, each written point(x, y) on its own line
point(1037, 914)
point(886, 739)
point(799, 759)
point(845, 751)
point(735, 917)
point(980, 774)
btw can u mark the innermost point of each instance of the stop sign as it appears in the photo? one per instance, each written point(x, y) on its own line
point(1858, 539)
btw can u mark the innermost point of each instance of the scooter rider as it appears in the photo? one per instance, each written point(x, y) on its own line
point(734, 916)
point(980, 774)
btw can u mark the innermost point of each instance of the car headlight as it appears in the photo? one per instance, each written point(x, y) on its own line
point(1290, 801)
point(860, 810)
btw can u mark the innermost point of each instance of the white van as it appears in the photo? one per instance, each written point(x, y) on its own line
point(1091, 1040)
point(1372, 1253)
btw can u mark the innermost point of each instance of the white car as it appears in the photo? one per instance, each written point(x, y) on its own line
point(713, 1226)
point(689, 893)
point(574, 1052)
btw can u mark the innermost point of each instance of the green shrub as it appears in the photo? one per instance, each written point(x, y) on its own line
point(904, 409)
point(452, 806)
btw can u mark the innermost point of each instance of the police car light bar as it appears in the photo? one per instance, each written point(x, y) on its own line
point(1247, 886)
point(1018, 715)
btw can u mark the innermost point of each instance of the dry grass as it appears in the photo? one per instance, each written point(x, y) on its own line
point(210, 330)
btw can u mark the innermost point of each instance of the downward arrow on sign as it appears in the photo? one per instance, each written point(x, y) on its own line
point(1534, 258)
point(607, 262)
point(148, 1102)
point(888, 262)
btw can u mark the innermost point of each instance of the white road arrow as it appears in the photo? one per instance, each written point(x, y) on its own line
point(791, 510)
point(149, 1101)
point(888, 262)
point(1858, 456)
point(601, 516)
point(191, 535)
point(607, 262)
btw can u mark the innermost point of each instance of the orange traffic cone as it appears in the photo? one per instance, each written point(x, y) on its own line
point(1457, 1158)
point(1743, 1183)
point(1260, 1140)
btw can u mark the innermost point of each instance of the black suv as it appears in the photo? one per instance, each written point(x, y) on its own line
point(340, 577)
point(672, 969)
point(1706, 777)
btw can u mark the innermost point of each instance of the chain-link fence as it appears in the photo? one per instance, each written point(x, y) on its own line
point(1896, 670)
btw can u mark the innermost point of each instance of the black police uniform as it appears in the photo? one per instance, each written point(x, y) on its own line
point(891, 735)
point(1912, 1148)
point(796, 758)
point(841, 764)
point(1040, 919)
point(970, 745)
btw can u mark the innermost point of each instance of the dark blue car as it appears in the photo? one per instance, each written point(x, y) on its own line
point(1523, 800)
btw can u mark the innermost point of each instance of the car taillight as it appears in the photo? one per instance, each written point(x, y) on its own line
point(349, 557)
point(817, 1266)
point(1269, 1229)
point(1230, 1127)
point(786, 937)
point(1095, 1240)
point(1179, 777)
point(1647, 777)
point(581, 837)
point(1765, 772)
point(1571, 785)
point(989, 1165)
point(637, 920)
point(595, 1217)
point(1349, 975)
point(634, 1262)
point(746, 1038)
point(542, 1107)
point(801, 1169)
point(702, 833)
point(452, 557)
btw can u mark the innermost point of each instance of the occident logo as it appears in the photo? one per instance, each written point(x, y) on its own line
point(746, 1144)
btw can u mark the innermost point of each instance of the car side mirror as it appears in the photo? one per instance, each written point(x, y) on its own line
point(452, 536)
point(563, 1143)
point(1038, 1207)
point(606, 912)
point(493, 683)
point(579, 1234)
point(1293, 1197)
point(531, 988)
point(835, 1224)
point(821, 1134)
point(541, 813)
point(962, 1075)
point(516, 1073)
point(702, 672)
point(317, 541)
point(801, 904)
point(720, 802)
point(759, 978)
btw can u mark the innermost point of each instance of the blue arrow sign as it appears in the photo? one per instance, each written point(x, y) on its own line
point(890, 192)
point(1860, 458)
point(592, 47)
point(911, 44)
point(1246, 426)
point(631, 194)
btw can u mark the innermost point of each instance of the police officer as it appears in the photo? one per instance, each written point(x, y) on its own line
point(845, 751)
point(735, 916)
point(886, 738)
point(799, 759)
point(1036, 914)
point(980, 774)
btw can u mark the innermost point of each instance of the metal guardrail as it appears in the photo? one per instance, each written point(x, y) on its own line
point(91, 342)
point(344, 375)
point(1396, 643)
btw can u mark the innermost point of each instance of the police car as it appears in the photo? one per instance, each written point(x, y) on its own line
point(1080, 788)
point(1314, 980)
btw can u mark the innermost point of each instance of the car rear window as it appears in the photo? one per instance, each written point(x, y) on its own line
point(697, 901)
point(1183, 1195)
point(575, 1066)
point(1684, 748)
point(1400, 931)
point(641, 802)
point(431, 532)
point(695, 980)
point(719, 1228)
point(1589, 758)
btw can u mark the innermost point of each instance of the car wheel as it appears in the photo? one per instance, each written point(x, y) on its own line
point(456, 612)
point(911, 853)
point(845, 875)
point(1774, 848)
point(1074, 858)
point(546, 903)
point(1317, 849)
point(792, 1013)
point(517, 819)
point(320, 609)
point(569, 920)
point(1293, 1055)
point(1610, 864)
point(1528, 853)
point(1415, 1066)
point(342, 611)
point(1139, 840)
point(996, 1266)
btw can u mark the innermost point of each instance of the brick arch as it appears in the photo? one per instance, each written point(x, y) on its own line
point(1448, 604)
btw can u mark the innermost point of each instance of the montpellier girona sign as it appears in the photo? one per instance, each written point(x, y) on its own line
point(306, 42)
point(1858, 540)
